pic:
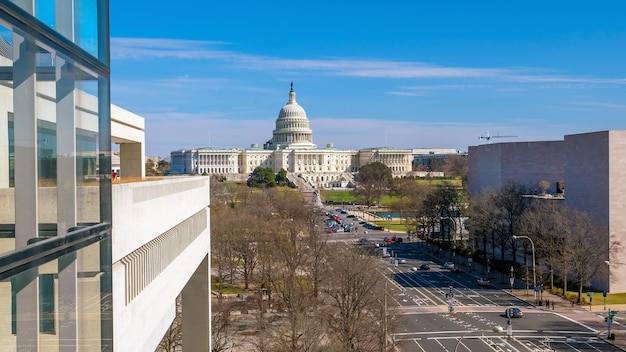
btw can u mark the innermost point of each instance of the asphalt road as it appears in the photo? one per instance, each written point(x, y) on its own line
point(478, 323)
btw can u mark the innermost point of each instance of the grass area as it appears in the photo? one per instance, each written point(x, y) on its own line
point(226, 288)
point(351, 197)
point(611, 298)
point(597, 298)
point(395, 226)
point(338, 197)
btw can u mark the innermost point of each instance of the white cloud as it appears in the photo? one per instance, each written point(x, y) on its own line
point(142, 48)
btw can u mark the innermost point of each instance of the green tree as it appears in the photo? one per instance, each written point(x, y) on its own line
point(163, 166)
point(281, 178)
point(262, 177)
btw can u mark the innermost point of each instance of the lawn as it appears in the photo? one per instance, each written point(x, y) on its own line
point(352, 197)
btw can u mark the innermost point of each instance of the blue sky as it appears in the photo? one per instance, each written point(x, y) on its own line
point(401, 74)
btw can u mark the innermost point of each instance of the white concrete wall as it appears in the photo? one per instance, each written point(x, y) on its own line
point(143, 211)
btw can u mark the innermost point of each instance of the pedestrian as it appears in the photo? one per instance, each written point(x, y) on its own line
point(548, 303)
point(552, 304)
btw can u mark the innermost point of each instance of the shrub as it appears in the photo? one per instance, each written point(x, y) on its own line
point(557, 291)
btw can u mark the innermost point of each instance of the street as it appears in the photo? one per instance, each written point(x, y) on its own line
point(442, 310)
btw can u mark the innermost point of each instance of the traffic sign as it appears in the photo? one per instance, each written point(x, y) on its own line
point(604, 293)
point(537, 288)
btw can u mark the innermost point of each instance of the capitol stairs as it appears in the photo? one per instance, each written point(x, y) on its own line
point(309, 193)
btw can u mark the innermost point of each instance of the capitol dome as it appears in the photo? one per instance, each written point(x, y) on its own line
point(292, 127)
point(292, 109)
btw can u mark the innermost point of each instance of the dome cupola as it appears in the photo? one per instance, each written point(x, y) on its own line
point(292, 127)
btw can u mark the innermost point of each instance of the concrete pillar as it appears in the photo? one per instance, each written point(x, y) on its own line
point(196, 310)
point(132, 160)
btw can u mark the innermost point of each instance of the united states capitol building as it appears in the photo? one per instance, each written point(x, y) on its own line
point(291, 148)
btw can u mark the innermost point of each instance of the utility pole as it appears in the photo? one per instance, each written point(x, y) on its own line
point(385, 343)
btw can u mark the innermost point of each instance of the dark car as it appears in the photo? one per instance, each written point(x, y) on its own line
point(513, 312)
point(425, 266)
point(456, 269)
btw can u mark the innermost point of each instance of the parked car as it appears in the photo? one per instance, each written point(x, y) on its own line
point(401, 260)
point(448, 265)
point(425, 266)
point(456, 269)
point(484, 282)
point(513, 312)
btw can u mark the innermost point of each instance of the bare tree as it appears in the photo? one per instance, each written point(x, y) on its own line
point(510, 207)
point(543, 186)
point(172, 341)
point(482, 216)
point(290, 277)
point(455, 166)
point(588, 246)
point(355, 292)
point(544, 223)
point(410, 204)
point(373, 180)
point(220, 322)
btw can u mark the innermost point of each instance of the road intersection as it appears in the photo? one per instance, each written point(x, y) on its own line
point(421, 299)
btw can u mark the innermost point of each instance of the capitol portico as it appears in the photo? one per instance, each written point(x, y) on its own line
point(291, 148)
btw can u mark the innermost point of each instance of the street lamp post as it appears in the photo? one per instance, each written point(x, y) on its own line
point(454, 254)
point(512, 278)
point(532, 246)
point(388, 222)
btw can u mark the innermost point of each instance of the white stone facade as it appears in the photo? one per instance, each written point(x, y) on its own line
point(291, 148)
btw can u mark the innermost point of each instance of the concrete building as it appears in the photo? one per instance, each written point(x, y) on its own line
point(86, 265)
point(423, 157)
point(591, 168)
point(291, 148)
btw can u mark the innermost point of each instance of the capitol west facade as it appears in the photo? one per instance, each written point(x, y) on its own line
point(291, 148)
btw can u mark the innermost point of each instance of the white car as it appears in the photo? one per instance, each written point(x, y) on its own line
point(448, 265)
point(401, 260)
point(484, 282)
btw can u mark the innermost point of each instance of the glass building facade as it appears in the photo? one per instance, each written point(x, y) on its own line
point(55, 180)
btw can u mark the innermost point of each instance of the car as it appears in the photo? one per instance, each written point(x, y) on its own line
point(414, 268)
point(513, 312)
point(484, 282)
point(425, 266)
point(387, 239)
point(448, 265)
point(401, 260)
point(456, 269)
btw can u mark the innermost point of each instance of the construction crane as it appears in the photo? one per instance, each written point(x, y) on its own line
point(488, 137)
